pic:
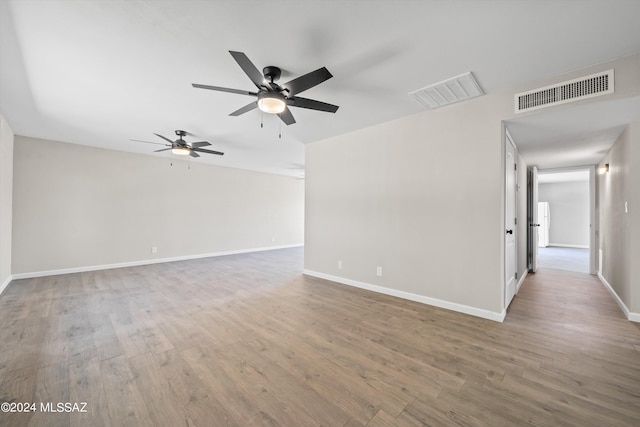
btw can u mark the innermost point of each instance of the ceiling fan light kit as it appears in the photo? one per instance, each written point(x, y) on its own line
point(180, 151)
point(272, 97)
point(272, 103)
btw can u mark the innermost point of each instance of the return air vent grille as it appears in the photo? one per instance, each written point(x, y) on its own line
point(569, 91)
point(447, 92)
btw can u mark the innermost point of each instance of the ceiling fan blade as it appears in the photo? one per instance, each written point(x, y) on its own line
point(164, 149)
point(165, 138)
point(147, 142)
point(204, 150)
point(307, 81)
point(287, 117)
point(245, 109)
point(224, 89)
point(249, 69)
point(312, 104)
point(192, 153)
point(199, 144)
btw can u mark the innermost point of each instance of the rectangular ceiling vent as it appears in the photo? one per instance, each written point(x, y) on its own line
point(447, 92)
point(562, 93)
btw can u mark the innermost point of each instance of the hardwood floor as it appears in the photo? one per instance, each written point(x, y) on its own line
point(248, 340)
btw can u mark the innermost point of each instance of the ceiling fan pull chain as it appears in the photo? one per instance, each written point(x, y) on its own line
point(261, 119)
point(279, 128)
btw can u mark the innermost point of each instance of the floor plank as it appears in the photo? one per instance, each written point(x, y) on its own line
point(249, 340)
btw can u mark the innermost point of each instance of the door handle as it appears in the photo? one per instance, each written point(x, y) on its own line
point(509, 231)
point(534, 225)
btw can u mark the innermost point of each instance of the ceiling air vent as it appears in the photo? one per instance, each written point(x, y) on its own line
point(569, 91)
point(447, 92)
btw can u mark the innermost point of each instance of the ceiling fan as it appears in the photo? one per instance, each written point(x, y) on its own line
point(272, 97)
point(182, 147)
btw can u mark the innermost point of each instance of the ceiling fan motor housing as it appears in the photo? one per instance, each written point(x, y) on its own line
point(271, 73)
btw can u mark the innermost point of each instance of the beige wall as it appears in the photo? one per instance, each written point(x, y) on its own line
point(422, 197)
point(619, 231)
point(616, 226)
point(77, 206)
point(569, 204)
point(6, 190)
point(633, 192)
point(419, 196)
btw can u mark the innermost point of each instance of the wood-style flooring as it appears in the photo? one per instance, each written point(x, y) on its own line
point(247, 340)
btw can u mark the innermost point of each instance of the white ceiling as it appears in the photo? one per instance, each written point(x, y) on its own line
point(576, 136)
point(103, 72)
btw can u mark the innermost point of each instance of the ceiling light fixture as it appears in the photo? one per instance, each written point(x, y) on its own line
point(181, 151)
point(272, 103)
point(603, 169)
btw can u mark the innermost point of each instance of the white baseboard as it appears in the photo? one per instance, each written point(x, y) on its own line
point(562, 245)
point(474, 311)
point(6, 283)
point(31, 275)
point(634, 317)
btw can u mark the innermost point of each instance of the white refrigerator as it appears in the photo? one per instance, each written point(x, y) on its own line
point(544, 219)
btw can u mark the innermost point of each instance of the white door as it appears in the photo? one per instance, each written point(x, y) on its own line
point(510, 247)
point(534, 225)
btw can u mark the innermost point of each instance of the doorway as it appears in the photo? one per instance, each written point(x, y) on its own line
point(565, 219)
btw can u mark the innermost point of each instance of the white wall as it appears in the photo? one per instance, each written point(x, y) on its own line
point(419, 196)
point(569, 207)
point(619, 227)
point(6, 197)
point(77, 206)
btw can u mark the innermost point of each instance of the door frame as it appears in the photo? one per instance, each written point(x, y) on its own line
point(593, 224)
point(508, 139)
point(532, 219)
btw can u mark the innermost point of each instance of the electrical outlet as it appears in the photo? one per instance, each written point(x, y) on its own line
point(379, 271)
point(339, 265)
point(154, 249)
